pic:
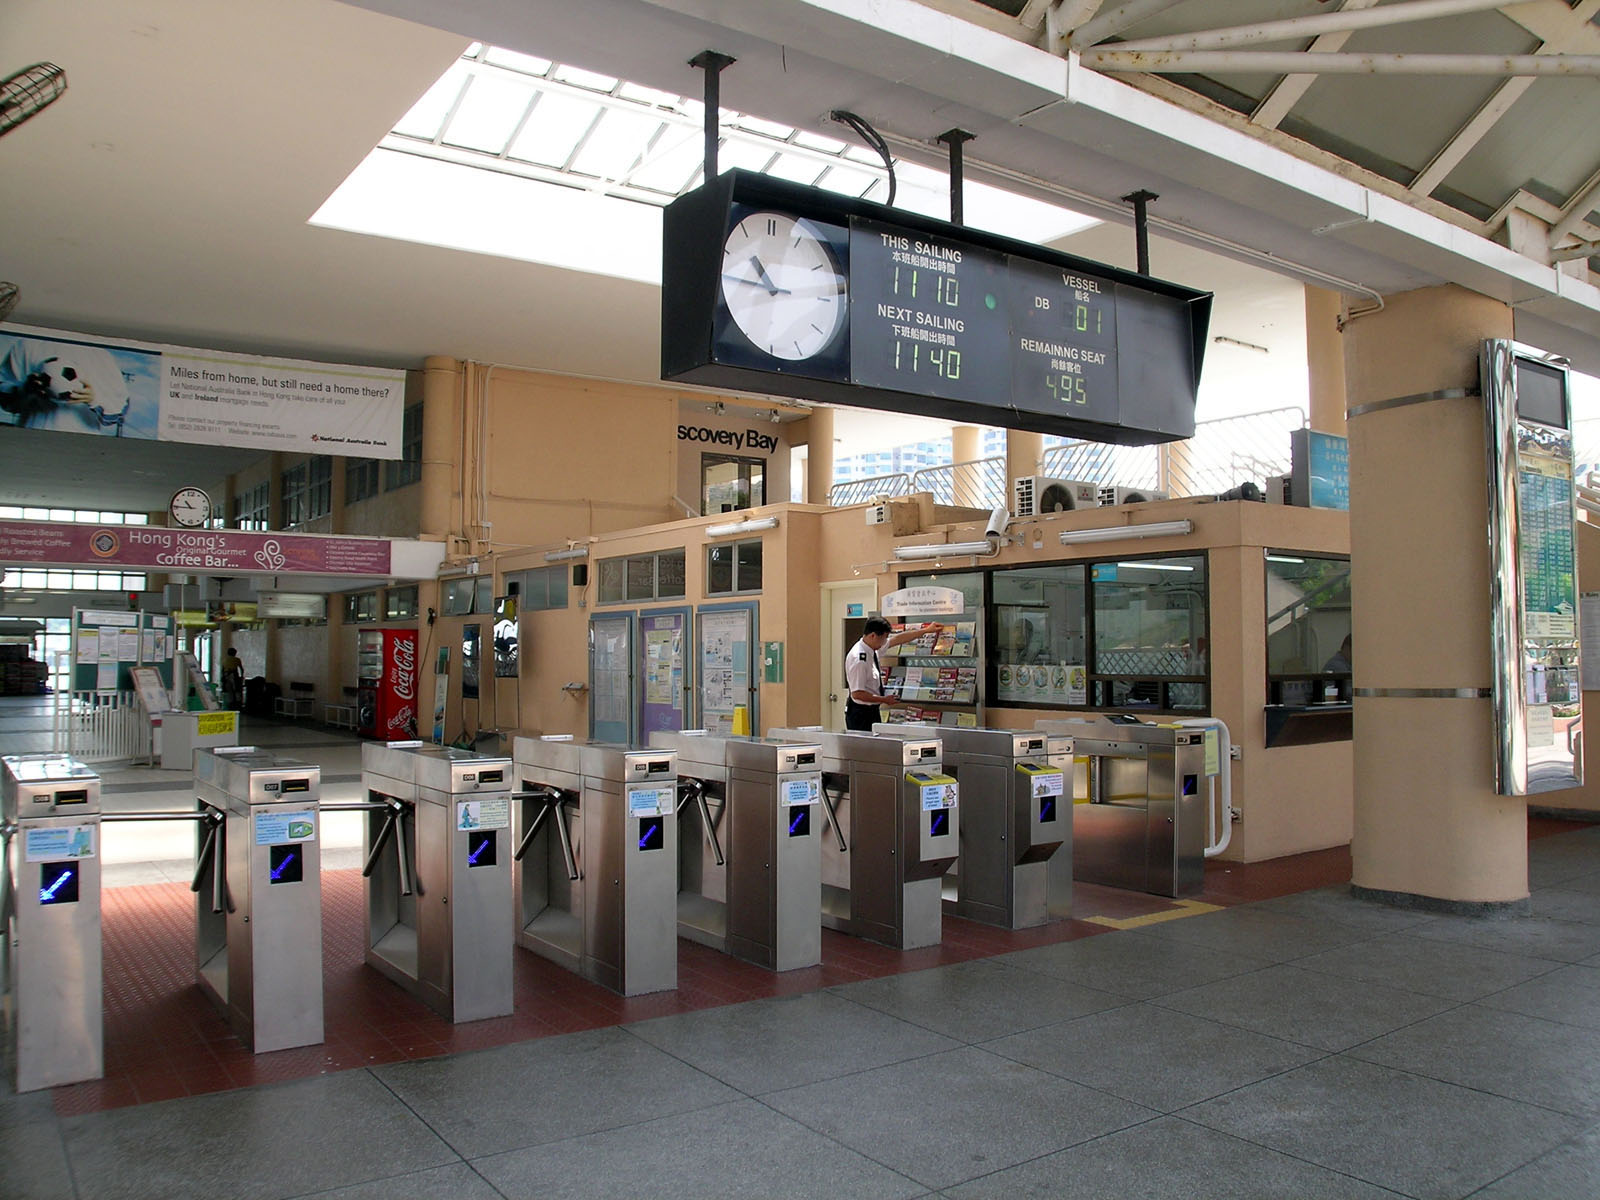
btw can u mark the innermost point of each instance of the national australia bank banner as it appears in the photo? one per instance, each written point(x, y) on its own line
point(68, 383)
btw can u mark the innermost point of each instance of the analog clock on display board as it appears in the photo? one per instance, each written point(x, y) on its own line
point(190, 507)
point(783, 285)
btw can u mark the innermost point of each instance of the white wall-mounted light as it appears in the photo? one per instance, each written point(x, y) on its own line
point(568, 553)
point(944, 550)
point(1284, 558)
point(1117, 533)
point(734, 528)
point(1155, 566)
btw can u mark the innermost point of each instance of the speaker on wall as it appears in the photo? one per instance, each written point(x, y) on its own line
point(580, 575)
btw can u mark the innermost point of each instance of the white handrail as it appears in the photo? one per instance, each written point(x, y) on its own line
point(1215, 843)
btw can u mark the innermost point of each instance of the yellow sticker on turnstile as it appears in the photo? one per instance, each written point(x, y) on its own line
point(937, 791)
point(1043, 781)
point(1213, 756)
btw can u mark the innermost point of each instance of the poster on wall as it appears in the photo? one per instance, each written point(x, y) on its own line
point(114, 388)
point(724, 668)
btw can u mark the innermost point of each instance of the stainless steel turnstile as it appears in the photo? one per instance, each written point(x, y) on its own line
point(50, 920)
point(893, 831)
point(749, 876)
point(597, 861)
point(258, 878)
point(1139, 820)
point(1014, 818)
point(442, 931)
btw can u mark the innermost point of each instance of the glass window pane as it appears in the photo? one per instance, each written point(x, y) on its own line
point(556, 583)
point(719, 570)
point(616, 143)
point(1308, 614)
point(553, 129)
point(642, 577)
point(526, 63)
point(489, 113)
point(671, 570)
point(1149, 623)
point(428, 113)
point(748, 572)
point(612, 573)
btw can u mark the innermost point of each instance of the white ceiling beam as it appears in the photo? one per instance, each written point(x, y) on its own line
point(1108, 24)
point(1576, 209)
point(1305, 27)
point(1033, 13)
point(1286, 93)
point(1559, 31)
point(1271, 62)
point(1069, 14)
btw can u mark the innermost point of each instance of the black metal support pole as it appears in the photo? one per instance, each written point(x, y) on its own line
point(1141, 226)
point(955, 139)
point(712, 64)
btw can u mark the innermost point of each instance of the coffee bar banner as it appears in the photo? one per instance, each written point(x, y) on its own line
point(68, 383)
point(151, 547)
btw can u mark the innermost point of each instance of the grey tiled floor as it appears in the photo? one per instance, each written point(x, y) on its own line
point(1312, 1046)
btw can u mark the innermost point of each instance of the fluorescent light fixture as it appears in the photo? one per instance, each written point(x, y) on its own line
point(1284, 558)
point(1155, 566)
point(944, 550)
point(568, 553)
point(1117, 533)
point(734, 528)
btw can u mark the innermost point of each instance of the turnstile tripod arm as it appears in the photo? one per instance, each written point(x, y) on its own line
point(695, 789)
point(551, 801)
point(832, 814)
point(533, 830)
point(391, 828)
point(566, 843)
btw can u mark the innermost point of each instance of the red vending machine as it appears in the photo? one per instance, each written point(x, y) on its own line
point(386, 668)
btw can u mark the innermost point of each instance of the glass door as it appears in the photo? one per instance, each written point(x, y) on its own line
point(611, 678)
point(663, 671)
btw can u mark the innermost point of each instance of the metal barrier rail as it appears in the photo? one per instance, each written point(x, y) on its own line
point(94, 726)
point(980, 483)
point(861, 491)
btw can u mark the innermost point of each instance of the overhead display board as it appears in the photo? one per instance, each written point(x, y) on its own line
point(772, 287)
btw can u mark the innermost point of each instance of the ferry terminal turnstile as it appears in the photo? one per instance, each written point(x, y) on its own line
point(50, 959)
point(1014, 819)
point(1139, 811)
point(893, 831)
point(749, 878)
point(437, 921)
point(258, 879)
point(596, 875)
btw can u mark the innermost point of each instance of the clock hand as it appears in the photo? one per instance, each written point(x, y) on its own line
point(766, 280)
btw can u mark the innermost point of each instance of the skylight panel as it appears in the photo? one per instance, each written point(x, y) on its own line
point(741, 152)
point(815, 141)
point(427, 115)
point(489, 113)
point(846, 181)
point(797, 168)
point(673, 163)
point(640, 94)
point(618, 142)
point(513, 61)
point(585, 79)
point(553, 129)
point(769, 129)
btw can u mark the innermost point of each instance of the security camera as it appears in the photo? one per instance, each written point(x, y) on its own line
point(998, 520)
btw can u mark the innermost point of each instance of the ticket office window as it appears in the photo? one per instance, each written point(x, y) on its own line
point(728, 484)
point(1123, 634)
point(1308, 628)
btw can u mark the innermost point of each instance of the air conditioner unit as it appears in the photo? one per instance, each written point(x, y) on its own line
point(878, 514)
point(1279, 489)
point(1127, 495)
point(1035, 494)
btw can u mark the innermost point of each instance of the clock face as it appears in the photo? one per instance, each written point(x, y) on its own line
point(782, 285)
point(190, 507)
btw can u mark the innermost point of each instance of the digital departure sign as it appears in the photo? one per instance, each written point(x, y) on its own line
point(773, 287)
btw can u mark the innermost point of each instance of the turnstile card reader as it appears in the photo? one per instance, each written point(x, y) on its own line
point(597, 860)
point(893, 829)
point(50, 961)
point(258, 927)
point(446, 933)
point(749, 880)
point(1139, 817)
point(1013, 821)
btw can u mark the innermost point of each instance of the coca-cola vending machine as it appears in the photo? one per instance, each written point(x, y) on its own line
point(386, 668)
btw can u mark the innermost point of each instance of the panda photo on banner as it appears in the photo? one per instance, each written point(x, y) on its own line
point(78, 387)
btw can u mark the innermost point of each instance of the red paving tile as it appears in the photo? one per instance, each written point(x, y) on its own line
point(164, 1038)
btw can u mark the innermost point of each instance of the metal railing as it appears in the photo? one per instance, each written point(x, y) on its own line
point(1221, 455)
point(980, 483)
point(99, 726)
point(861, 491)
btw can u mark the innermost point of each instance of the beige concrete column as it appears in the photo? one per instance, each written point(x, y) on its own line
point(819, 455)
point(1023, 452)
point(966, 487)
point(1325, 360)
point(442, 414)
point(1428, 823)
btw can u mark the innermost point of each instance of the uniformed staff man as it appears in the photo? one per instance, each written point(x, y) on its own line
point(863, 674)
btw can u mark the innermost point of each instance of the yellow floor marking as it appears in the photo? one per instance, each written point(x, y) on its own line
point(1186, 908)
